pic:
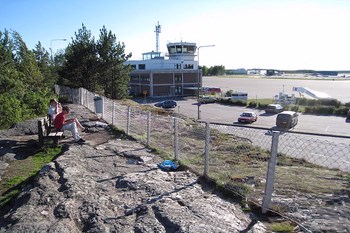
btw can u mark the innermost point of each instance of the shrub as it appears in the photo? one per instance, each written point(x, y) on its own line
point(341, 111)
point(252, 104)
point(262, 106)
point(311, 102)
point(229, 93)
point(329, 102)
point(239, 103)
point(324, 109)
point(11, 111)
point(294, 108)
point(309, 109)
point(301, 101)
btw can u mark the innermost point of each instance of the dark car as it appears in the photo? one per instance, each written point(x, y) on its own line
point(166, 104)
point(274, 109)
point(287, 119)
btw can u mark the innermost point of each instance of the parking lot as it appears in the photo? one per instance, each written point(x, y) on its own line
point(218, 113)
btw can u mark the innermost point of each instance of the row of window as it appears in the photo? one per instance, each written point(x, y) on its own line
point(178, 78)
point(176, 66)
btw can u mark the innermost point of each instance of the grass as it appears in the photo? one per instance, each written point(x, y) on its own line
point(20, 172)
point(282, 227)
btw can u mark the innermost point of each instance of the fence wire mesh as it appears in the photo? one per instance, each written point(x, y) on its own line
point(309, 168)
point(162, 134)
point(191, 138)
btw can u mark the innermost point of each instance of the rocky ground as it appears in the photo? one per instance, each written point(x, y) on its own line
point(110, 184)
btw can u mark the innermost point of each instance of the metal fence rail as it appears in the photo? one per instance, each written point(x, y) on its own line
point(278, 170)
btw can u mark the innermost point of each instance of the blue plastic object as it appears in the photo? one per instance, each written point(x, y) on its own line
point(168, 165)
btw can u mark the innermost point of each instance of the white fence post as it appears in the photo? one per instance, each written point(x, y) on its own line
point(207, 148)
point(270, 176)
point(86, 99)
point(103, 108)
point(128, 121)
point(148, 128)
point(113, 112)
point(176, 139)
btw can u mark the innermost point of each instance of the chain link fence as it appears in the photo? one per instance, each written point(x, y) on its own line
point(278, 171)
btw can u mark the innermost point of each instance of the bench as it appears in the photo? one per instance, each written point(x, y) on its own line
point(47, 131)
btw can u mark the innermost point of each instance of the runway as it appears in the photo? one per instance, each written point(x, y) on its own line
point(263, 87)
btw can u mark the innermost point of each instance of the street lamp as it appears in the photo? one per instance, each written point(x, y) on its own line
point(199, 86)
point(51, 44)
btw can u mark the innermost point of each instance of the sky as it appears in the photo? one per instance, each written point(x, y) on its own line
point(267, 34)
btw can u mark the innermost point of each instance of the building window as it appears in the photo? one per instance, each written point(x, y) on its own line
point(134, 78)
point(144, 79)
point(178, 78)
point(133, 67)
point(142, 66)
point(178, 90)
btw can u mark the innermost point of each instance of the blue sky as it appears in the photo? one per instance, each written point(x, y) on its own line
point(280, 34)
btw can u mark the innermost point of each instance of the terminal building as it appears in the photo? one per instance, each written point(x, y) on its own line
point(175, 74)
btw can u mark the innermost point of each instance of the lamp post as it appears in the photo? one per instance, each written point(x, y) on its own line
point(199, 81)
point(51, 45)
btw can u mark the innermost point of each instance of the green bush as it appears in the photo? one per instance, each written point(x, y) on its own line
point(294, 108)
point(341, 111)
point(252, 104)
point(228, 93)
point(11, 111)
point(329, 102)
point(324, 110)
point(311, 102)
point(301, 101)
point(309, 109)
point(262, 106)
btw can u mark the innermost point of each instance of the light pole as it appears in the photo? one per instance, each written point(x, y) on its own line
point(199, 86)
point(51, 45)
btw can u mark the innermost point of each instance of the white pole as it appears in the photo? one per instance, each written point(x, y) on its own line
point(270, 176)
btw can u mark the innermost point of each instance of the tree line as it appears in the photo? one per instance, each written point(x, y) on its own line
point(213, 70)
point(27, 77)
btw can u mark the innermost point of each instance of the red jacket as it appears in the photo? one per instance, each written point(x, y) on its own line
point(59, 120)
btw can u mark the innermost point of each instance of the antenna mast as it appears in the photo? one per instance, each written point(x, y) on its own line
point(157, 31)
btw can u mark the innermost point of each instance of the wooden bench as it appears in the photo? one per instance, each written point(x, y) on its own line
point(47, 131)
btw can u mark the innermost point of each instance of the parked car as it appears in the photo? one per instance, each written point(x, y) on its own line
point(247, 117)
point(207, 99)
point(287, 119)
point(274, 109)
point(166, 104)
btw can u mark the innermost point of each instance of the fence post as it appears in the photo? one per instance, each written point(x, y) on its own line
point(176, 139)
point(128, 121)
point(113, 110)
point(207, 147)
point(148, 128)
point(80, 90)
point(270, 176)
point(86, 99)
point(103, 108)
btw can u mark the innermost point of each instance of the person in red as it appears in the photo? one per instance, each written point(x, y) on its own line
point(62, 124)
